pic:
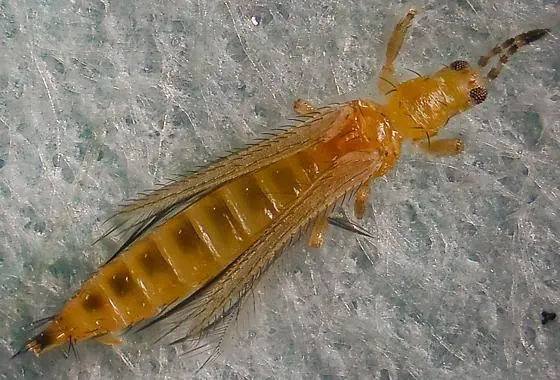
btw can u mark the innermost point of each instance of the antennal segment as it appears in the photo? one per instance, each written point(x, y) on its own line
point(508, 48)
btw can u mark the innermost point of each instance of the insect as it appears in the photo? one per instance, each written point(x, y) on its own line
point(195, 247)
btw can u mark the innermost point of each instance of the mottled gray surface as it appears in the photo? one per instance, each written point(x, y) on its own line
point(102, 99)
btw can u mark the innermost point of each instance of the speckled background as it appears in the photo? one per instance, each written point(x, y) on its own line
point(102, 99)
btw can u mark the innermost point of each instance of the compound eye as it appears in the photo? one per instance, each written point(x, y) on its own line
point(478, 94)
point(459, 65)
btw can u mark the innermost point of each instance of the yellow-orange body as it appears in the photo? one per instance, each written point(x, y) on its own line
point(243, 210)
point(179, 257)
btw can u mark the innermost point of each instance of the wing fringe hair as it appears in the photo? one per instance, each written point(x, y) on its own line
point(141, 215)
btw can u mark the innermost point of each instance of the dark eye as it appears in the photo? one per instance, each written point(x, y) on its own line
point(459, 65)
point(478, 94)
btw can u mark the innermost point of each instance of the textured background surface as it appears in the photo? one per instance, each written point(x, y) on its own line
point(102, 99)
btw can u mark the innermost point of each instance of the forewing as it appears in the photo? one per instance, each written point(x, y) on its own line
point(141, 215)
point(198, 316)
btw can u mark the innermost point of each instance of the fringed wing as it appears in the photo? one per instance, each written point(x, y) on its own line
point(199, 316)
point(142, 214)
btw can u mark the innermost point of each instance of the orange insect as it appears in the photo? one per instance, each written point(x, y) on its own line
point(195, 247)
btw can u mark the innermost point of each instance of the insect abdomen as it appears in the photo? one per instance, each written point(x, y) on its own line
point(187, 251)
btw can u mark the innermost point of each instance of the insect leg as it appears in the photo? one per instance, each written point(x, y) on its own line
point(303, 107)
point(362, 196)
point(387, 80)
point(318, 231)
point(442, 147)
